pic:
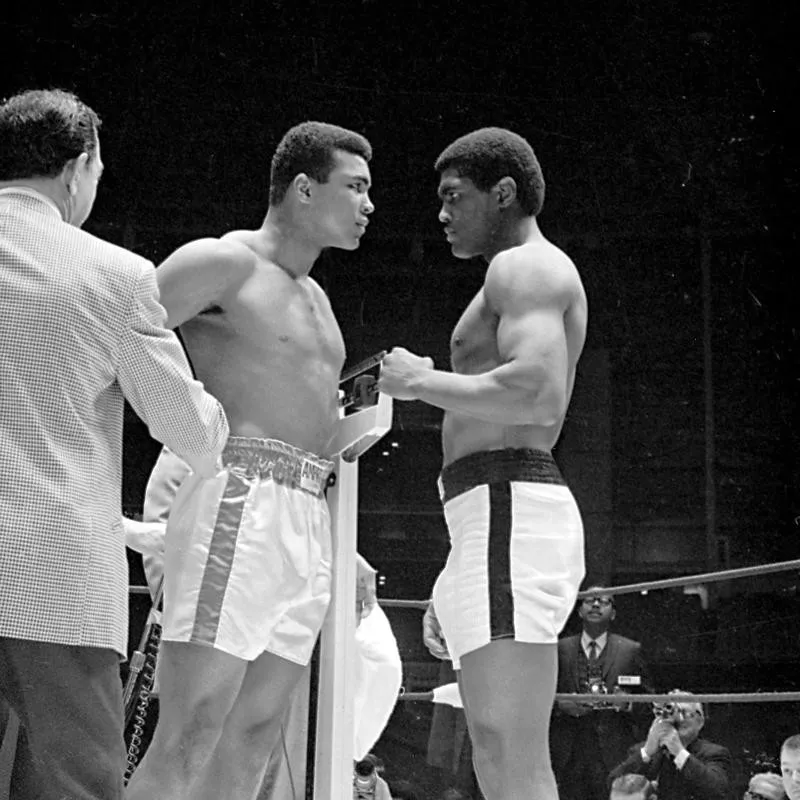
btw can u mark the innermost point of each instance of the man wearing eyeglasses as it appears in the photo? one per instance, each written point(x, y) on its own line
point(587, 740)
point(685, 766)
point(790, 767)
point(765, 786)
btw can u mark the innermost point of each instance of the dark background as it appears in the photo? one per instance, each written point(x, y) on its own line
point(668, 139)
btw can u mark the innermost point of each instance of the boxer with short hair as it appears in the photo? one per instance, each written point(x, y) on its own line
point(516, 558)
point(248, 553)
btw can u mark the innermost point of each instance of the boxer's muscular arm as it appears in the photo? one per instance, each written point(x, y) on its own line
point(198, 276)
point(529, 386)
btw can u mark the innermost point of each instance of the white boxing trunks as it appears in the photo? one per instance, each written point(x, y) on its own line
point(248, 553)
point(516, 550)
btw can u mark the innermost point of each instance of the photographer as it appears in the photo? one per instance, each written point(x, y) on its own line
point(765, 786)
point(685, 766)
point(367, 783)
point(588, 740)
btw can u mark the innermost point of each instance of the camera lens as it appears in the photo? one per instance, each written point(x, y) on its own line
point(365, 768)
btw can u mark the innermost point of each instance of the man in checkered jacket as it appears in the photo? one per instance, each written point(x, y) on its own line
point(81, 328)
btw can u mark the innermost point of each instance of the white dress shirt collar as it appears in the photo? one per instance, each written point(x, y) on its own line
point(601, 642)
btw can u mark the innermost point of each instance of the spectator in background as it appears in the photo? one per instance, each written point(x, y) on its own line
point(685, 766)
point(587, 741)
point(632, 787)
point(790, 767)
point(367, 781)
point(765, 786)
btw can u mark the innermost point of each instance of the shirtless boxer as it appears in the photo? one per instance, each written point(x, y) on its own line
point(248, 553)
point(516, 558)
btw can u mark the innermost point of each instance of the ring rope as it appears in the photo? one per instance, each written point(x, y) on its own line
point(622, 699)
point(630, 588)
point(705, 577)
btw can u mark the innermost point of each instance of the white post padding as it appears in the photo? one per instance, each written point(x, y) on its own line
point(333, 761)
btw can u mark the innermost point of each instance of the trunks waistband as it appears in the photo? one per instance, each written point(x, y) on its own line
point(497, 466)
point(276, 460)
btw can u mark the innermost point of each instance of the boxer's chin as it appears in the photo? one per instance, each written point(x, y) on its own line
point(351, 244)
point(343, 243)
point(459, 251)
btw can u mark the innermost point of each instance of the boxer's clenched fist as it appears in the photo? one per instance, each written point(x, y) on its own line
point(401, 372)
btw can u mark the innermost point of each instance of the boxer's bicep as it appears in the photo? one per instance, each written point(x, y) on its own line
point(198, 276)
point(531, 335)
point(532, 342)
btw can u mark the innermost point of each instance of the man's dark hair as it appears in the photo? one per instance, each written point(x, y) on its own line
point(489, 154)
point(633, 784)
point(309, 148)
point(41, 130)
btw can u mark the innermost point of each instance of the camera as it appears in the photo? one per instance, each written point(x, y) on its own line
point(595, 685)
point(668, 712)
point(365, 779)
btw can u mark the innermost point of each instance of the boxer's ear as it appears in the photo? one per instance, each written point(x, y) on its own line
point(302, 186)
point(506, 191)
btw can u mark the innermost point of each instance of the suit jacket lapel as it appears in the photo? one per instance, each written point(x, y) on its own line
point(610, 656)
point(575, 659)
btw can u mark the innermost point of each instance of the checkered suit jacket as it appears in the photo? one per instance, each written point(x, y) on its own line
point(80, 328)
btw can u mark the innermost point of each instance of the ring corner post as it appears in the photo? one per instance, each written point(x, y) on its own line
point(335, 734)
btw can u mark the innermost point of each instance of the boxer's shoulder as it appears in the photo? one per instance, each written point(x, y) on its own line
point(225, 258)
point(228, 252)
point(536, 269)
point(200, 275)
point(531, 261)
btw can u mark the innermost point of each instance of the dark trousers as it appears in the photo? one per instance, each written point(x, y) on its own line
point(585, 775)
point(69, 702)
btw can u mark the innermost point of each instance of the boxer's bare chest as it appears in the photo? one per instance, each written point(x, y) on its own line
point(287, 316)
point(473, 344)
point(275, 320)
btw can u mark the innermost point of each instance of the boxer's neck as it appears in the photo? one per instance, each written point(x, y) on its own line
point(286, 243)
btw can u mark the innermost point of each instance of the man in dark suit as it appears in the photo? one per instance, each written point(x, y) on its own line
point(685, 766)
point(587, 740)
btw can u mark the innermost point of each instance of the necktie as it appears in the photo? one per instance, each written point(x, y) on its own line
point(592, 651)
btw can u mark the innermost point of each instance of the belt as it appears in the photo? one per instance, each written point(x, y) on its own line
point(275, 460)
point(497, 466)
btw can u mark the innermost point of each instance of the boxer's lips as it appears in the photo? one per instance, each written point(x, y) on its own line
point(450, 234)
